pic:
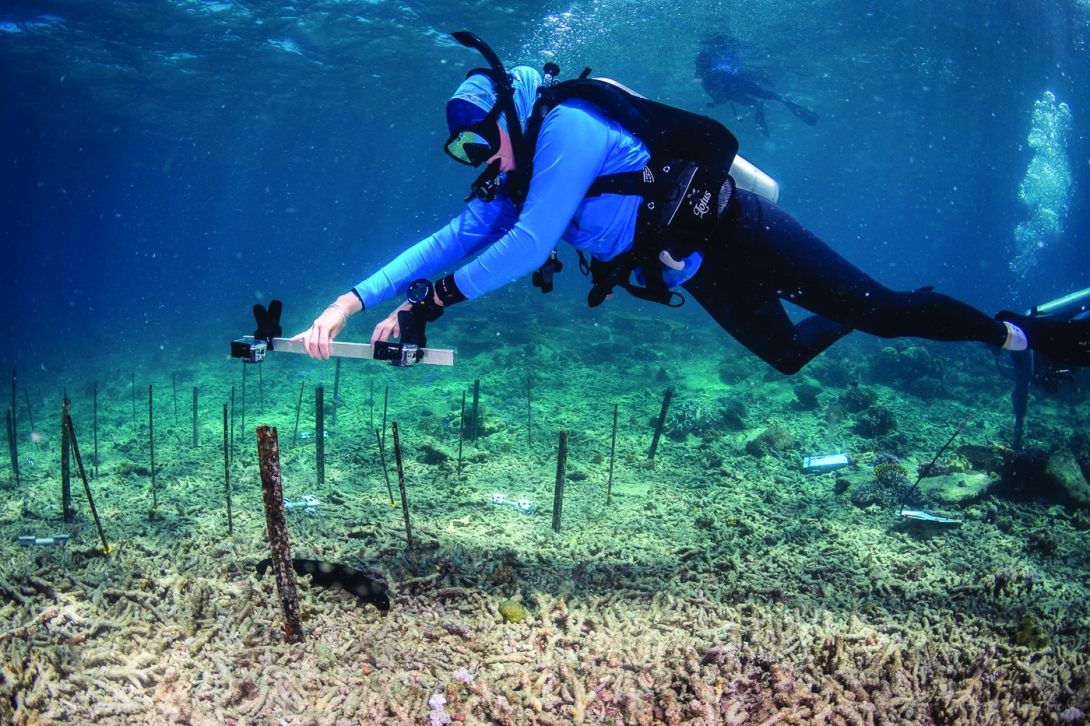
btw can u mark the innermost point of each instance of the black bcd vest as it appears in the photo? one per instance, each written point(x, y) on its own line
point(685, 186)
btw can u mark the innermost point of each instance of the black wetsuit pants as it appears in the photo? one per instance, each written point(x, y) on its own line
point(766, 256)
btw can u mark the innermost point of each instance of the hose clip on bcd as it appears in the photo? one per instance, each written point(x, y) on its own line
point(543, 276)
point(550, 74)
point(488, 184)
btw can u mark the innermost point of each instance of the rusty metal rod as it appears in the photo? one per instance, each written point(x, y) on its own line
point(612, 455)
point(66, 463)
point(86, 486)
point(385, 471)
point(272, 490)
point(401, 486)
point(227, 474)
point(151, 451)
point(558, 489)
point(319, 433)
point(661, 423)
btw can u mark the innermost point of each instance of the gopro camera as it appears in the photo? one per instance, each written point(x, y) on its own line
point(402, 355)
point(249, 349)
point(252, 348)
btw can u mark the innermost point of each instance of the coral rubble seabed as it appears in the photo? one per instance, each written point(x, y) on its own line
point(721, 586)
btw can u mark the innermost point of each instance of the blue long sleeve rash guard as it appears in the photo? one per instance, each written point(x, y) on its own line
point(576, 144)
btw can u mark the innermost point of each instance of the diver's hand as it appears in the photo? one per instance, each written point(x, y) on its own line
point(388, 327)
point(321, 333)
point(328, 325)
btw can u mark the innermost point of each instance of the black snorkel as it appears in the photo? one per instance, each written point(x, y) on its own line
point(517, 181)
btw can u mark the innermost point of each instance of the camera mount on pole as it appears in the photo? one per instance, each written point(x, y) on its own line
point(408, 352)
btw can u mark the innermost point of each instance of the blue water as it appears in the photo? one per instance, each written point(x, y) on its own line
point(165, 165)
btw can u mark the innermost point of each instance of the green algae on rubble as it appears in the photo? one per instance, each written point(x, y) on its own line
point(512, 611)
point(1030, 634)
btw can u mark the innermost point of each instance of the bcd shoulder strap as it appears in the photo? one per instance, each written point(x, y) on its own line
point(668, 132)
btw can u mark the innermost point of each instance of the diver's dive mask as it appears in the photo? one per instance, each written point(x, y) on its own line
point(476, 143)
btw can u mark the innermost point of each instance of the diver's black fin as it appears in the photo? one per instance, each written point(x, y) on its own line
point(925, 288)
point(807, 116)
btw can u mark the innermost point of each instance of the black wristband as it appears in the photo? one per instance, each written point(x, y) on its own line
point(447, 291)
point(356, 292)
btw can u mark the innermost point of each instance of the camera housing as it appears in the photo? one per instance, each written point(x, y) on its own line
point(401, 355)
point(250, 350)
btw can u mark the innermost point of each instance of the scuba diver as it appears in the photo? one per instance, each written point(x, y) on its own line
point(1035, 368)
point(727, 80)
point(655, 196)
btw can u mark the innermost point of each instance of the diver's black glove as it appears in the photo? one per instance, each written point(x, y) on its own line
point(412, 325)
point(414, 321)
point(428, 310)
point(1065, 341)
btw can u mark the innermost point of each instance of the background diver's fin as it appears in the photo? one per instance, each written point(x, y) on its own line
point(762, 124)
point(925, 288)
point(807, 116)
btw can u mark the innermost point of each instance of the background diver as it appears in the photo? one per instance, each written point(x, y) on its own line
point(1033, 368)
point(755, 255)
point(727, 80)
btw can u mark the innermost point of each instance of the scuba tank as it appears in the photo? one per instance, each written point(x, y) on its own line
point(1067, 306)
point(749, 177)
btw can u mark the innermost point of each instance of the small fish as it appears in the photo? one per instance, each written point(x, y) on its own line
point(328, 574)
